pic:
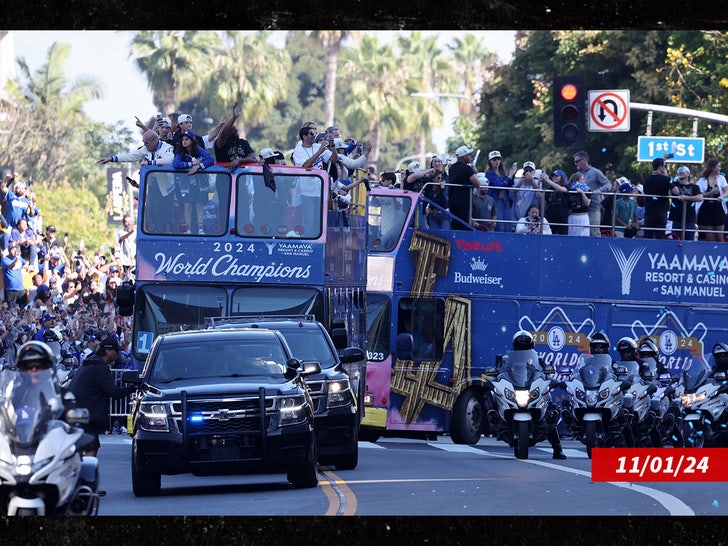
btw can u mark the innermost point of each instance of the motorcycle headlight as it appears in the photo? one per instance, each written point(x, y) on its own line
point(522, 398)
point(292, 409)
point(154, 417)
point(604, 393)
point(508, 393)
point(339, 394)
point(580, 394)
point(688, 400)
point(591, 398)
point(535, 393)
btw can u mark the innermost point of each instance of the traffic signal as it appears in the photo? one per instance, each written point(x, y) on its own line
point(569, 102)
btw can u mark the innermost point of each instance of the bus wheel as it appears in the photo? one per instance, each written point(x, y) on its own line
point(466, 423)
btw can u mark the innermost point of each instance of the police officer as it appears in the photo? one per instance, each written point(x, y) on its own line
point(94, 387)
point(720, 356)
point(523, 341)
point(648, 349)
point(599, 344)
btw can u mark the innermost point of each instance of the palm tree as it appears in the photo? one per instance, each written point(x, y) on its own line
point(331, 40)
point(377, 86)
point(44, 116)
point(474, 63)
point(250, 71)
point(174, 62)
point(427, 71)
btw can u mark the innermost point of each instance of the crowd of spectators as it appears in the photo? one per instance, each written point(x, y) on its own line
point(55, 292)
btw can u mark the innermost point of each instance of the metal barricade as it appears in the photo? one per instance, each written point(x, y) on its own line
point(119, 410)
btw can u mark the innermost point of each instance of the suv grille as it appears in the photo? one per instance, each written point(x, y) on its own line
point(232, 416)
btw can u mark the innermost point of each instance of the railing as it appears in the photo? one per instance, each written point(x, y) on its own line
point(605, 229)
point(120, 409)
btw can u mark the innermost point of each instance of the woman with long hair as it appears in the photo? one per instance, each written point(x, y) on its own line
point(499, 182)
point(712, 211)
point(192, 189)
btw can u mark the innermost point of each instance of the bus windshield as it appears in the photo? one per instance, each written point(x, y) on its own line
point(277, 300)
point(387, 220)
point(280, 206)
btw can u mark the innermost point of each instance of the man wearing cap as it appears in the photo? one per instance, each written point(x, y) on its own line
point(484, 213)
point(627, 223)
point(94, 387)
point(462, 179)
point(597, 184)
point(682, 212)
point(47, 321)
point(309, 155)
point(529, 194)
point(14, 289)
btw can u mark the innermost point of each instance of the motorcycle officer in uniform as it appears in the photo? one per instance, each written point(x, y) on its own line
point(523, 341)
point(720, 356)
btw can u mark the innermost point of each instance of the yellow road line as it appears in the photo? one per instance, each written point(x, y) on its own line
point(342, 501)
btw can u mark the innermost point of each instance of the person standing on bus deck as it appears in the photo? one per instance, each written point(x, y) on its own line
point(500, 182)
point(462, 176)
point(597, 184)
point(656, 188)
point(93, 386)
point(188, 155)
point(685, 195)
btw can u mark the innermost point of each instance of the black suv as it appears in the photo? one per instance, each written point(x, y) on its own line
point(334, 392)
point(222, 402)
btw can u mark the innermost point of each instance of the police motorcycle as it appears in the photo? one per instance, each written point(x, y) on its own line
point(664, 406)
point(638, 403)
point(42, 471)
point(703, 394)
point(523, 413)
point(594, 412)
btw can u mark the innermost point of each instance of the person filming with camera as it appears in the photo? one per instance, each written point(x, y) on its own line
point(533, 223)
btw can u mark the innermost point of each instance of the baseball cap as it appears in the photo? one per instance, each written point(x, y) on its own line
point(48, 316)
point(414, 166)
point(113, 269)
point(189, 134)
point(482, 179)
point(493, 154)
point(110, 343)
point(559, 172)
point(530, 164)
point(339, 143)
point(53, 228)
point(462, 151)
point(267, 153)
point(683, 170)
point(167, 122)
point(626, 187)
point(183, 118)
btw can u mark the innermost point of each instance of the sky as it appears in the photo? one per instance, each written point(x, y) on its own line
point(103, 55)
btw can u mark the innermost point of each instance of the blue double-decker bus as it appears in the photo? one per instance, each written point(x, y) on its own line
point(461, 295)
point(244, 243)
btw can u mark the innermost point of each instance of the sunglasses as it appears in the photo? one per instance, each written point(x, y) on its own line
point(682, 178)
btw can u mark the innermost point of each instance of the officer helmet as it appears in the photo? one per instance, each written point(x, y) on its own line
point(34, 354)
point(522, 341)
point(720, 354)
point(648, 348)
point(599, 343)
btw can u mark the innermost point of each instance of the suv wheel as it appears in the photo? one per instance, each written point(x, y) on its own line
point(350, 460)
point(306, 475)
point(144, 483)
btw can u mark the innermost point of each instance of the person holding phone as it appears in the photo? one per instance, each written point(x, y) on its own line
point(499, 181)
point(656, 188)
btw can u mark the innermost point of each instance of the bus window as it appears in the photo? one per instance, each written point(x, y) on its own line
point(277, 300)
point(387, 217)
point(379, 311)
point(287, 207)
point(424, 319)
point(170, 210)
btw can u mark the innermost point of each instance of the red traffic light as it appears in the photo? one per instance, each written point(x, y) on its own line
point(569, 92)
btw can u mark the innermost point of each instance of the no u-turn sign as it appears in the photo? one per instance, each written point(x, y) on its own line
point(609, 110)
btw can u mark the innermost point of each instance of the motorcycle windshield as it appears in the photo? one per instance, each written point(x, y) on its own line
point(27, 401)
point(521, 367)
point(633, 370)
point(696, 374)
point(592, 376)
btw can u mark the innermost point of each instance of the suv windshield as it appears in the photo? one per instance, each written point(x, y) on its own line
point(239, 358)
point(308, 345)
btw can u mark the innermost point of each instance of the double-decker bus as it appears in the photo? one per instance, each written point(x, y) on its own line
point(244, 243)
point(459, 296)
